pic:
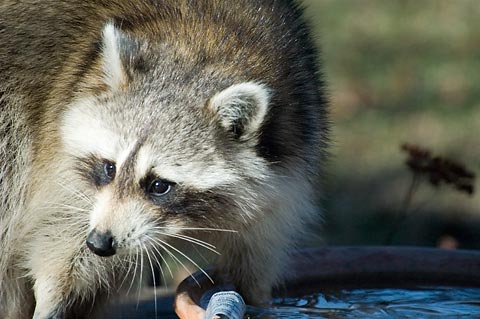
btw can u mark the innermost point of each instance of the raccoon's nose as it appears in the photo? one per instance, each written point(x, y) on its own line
point(102, 244)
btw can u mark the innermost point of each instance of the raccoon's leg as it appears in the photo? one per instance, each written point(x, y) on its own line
point(49, 298)
point(57, 302)
point(70, 282)
point(58, 285)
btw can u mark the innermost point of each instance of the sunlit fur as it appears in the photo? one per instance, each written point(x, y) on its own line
point(220, 100)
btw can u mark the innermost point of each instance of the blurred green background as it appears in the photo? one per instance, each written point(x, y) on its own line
point(399, 71)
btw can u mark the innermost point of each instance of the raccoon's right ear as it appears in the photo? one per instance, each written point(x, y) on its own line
point(241, 108)
point(114, 73)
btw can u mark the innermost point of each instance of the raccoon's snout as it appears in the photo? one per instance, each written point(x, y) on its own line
point(102, 244)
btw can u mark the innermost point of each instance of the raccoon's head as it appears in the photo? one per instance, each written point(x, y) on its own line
point(164, 149)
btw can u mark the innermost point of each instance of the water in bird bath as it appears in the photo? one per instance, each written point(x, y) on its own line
point(417, 302)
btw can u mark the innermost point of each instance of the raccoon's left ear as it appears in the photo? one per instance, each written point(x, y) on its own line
point(241, 108)
point(114, 74)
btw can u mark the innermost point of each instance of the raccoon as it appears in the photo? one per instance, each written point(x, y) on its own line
point(128, 125)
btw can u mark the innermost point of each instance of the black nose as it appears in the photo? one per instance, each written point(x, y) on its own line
point(102, 244)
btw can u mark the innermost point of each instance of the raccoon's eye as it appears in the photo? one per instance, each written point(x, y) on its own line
point(96, 170)
point(159, 188)
point(109, 169)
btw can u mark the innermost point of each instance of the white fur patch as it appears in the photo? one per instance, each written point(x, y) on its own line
point(198, 175)
point(97, 215)
point(231, 104)
point(145, 160)
point(83, 132)
point(112, 64)
point(124, 153)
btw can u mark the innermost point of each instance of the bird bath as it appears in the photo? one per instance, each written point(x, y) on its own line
point(363, 282)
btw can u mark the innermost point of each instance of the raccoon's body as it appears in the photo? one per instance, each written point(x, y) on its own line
point(125, 124)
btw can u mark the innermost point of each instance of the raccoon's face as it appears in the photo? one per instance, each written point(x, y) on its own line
point(161, 159)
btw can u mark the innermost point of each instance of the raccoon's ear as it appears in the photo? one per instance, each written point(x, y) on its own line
point(113, 69)
point(241, 108)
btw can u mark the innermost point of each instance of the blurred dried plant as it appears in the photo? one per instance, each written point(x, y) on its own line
point(437, 170)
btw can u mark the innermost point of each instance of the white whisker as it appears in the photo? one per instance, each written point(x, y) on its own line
point(72, 221)
point(74, 208)
point(128, 271)
point(160, 267)
point(189, 259)
point(77, 193)
point(69, 218)
point(159, 242)
point(134, 271)
point(141, 279)
point(197, 228)
point(153, 277)
point(192, 240)
point(61, 207)
point(164, 260)
point(201, 255)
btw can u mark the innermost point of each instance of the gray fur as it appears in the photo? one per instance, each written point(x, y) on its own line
point(153, 113)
